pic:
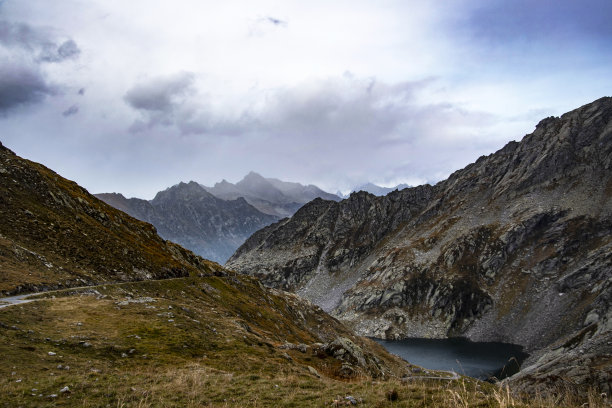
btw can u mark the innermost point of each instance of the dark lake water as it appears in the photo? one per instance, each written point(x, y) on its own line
point(479, 360)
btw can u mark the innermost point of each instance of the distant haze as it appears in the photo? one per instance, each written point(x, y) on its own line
point(136, 96)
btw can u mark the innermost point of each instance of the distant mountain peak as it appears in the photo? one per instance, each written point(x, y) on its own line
point(253, 175)
point(183, 190)
point(269, 195)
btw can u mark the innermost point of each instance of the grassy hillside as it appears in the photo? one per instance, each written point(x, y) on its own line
point(54, 234)
point(207, 341)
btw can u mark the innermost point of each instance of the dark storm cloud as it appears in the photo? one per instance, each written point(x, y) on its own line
point(73, 110)
point(26, 49)
point(21, 84)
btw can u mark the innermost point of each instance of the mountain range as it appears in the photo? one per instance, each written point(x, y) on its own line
point(269, 195)
point(516, 247)
point(214, 221)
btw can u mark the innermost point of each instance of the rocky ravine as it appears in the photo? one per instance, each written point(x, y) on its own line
point(516, 247)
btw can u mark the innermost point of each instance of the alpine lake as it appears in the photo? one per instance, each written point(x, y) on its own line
point(482, 360)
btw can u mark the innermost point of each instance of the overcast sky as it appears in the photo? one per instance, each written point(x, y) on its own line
point(135, 96)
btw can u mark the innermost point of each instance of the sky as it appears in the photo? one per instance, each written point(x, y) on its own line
point(136, 96)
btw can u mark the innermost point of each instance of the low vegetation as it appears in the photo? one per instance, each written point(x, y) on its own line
point(220, 341)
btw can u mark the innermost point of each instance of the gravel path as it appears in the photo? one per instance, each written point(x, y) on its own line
point(15, 300)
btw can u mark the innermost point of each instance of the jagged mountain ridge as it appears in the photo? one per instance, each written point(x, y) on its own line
point(375, 189)
point(270, 195)
point(192, 217)
point(515, 247)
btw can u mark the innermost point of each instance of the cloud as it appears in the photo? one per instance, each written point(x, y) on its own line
point(359, 113)
point(73, 110)
point(53, 53)
point(274, 21)
point(162, 101)
point(40, 43)
point(25, 50)
point(21, 35)
point(21, 84)
point(262, 25)
point(160, 94)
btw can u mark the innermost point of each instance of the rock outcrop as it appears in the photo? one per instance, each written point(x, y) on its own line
point(190, 216)
point(516, 247)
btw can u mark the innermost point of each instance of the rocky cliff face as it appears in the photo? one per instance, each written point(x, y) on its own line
point(516, 247)
point(270, 195)
point(55, 234)
point(190, 216)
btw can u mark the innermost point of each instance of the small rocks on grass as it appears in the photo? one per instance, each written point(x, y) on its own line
point(65, 390)
point(314, 372)
point(346, 401)
point(51, 353)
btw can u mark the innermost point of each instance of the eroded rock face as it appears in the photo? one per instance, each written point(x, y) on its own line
point(516, 247)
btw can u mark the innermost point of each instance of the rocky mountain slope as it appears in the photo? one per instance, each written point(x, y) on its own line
point(516, 247)
point(270, 195)
point(190, 216)
point(53, 234)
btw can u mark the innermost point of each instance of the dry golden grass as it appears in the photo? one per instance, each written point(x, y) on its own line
point(187, 347)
